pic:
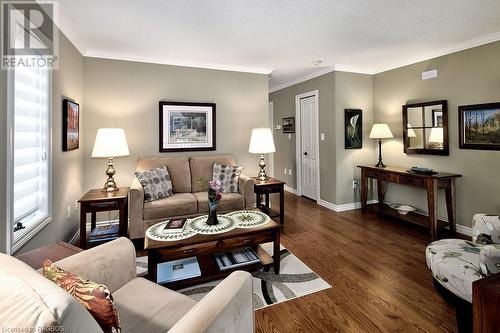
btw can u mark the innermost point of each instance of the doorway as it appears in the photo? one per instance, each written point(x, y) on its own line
point(307, 145)
point(270, 164)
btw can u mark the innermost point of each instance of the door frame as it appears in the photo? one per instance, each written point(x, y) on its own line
point(298, 146)
point(270, 120)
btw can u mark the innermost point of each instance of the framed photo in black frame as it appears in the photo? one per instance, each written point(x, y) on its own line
point(289, 125)
point(353, 119)
point(187, 126)
point(479, 126)
point(71, 125)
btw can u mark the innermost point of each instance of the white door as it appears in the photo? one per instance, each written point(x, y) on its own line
point(308, 134)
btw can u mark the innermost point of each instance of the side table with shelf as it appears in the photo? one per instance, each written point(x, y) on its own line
point(272, 185)
point(97, 200)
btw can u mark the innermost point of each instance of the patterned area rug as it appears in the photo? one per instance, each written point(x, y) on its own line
point(295, 280)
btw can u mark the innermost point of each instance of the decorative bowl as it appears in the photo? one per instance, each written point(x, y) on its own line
point(402, 208)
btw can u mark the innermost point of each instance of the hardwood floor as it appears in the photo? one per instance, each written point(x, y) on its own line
point(380, 281)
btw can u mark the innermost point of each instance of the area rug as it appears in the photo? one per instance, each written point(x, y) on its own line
point(295, 280)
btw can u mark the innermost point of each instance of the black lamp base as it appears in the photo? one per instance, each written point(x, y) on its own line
point(380, 164)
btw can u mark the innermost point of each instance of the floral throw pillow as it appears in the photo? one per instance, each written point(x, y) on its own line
point(156, 183)
point(95, 297)
point(228, 176)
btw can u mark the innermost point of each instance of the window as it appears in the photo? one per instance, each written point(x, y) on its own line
point(29, 157)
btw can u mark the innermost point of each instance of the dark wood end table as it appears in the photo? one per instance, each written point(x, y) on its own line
point(272, 185)
point(97, 200)
point(204, 246)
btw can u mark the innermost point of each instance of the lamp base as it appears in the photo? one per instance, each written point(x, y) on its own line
point(380, 165)
point(262, 173)
point(110, 184)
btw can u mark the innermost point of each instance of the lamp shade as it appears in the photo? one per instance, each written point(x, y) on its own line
point(436, 135)
point(110, 142)
point(381, 131)
point(261, 141)
point(411, 132)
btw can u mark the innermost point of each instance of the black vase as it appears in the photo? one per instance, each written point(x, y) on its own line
point(212, 214)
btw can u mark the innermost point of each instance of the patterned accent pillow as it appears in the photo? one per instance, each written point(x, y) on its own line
point(95, 297)
point(156, 183)
point(229, 177)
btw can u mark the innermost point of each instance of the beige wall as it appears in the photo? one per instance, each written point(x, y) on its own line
point(126, 94)
point(337, 91)
point(3, 157)
point(467, 77)
point(67, 171)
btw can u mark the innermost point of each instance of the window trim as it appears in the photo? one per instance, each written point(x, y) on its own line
point(32, 229)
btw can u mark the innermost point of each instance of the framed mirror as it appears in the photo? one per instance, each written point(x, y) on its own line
point(425, 128)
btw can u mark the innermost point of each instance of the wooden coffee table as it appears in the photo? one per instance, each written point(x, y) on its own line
point(204, 246)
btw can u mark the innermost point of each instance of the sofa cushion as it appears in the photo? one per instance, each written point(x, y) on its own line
point(156, 183)
point(178, 168)
point(175, 205)
point(202, 167)
point(229, 202)
point(24, 281)
point(147, 307)
point(95, 297)
point(228, 176)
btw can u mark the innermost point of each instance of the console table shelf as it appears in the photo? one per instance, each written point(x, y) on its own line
point(431, 183)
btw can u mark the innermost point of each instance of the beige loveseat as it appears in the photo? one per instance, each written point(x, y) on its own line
point(29, 302)
point(188, 199)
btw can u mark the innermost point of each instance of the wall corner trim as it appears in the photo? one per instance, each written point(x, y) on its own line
point(290, 189)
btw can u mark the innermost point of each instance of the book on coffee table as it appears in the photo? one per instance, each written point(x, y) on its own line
point(236, 258)
point(175, 226)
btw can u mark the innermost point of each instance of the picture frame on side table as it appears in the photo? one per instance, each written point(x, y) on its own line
point(187, 126)
point(353, 119)
point(71, 125)
point(437, 118)
point(289, 125)
point(479, 126)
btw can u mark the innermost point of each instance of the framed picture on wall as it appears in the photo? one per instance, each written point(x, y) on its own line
point(187, 126)
point(353, 128)
point(71, 125)
point(479, 126)
point(289, 125)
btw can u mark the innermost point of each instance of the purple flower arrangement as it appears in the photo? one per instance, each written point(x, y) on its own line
point(214, 191)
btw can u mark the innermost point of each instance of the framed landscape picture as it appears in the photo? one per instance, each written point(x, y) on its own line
point(479, 126)
point(187, 126)
point(71, 125)
point(353, 129)
point(289, 125)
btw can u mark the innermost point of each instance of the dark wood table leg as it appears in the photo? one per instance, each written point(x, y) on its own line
point(93, 220)
point(282, 205)
point(266, 198)
point(380, 192)
point(276, 252)
point(152, 266)
point(451, 205)
point(257, 201)
point(123, 221)
point(364, 190)
point(432, 191)
point(83, 227)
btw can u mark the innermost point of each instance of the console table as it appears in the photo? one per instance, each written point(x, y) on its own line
point(431, 183)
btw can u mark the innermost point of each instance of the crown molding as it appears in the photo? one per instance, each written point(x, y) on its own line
point(173, 62)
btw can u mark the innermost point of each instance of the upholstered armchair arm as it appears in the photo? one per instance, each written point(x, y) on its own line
point(486, 229)
point(246, 189)
point(112, 263)
point(489, 259)
point(228, 308)
point(136, 224)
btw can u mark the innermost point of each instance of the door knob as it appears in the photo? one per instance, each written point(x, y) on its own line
point(305, 153)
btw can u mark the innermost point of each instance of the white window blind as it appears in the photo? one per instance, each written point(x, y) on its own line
point(31, 147)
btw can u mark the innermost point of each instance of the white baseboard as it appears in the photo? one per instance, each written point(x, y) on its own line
point(344, 207)
point(290, 189)
point(464, 230)
point(75, 238)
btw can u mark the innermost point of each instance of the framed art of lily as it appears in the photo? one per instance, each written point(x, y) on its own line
point(479, 126)
point(353, 129)
point(186, 126)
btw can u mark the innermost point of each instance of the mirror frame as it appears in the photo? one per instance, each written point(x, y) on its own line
point(446, 147)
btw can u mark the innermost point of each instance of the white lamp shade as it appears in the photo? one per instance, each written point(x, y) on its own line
point(411, 132)
point(261, 141)
point(110, 142)
point(436, 135)
point(381, 131)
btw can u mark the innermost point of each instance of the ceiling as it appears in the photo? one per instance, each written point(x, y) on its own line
point(281, 37)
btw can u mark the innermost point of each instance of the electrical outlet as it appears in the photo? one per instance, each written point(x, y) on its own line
point(290, 172)
point(284, 170)
point(289, 137)
point(355, 183)
point(68, 213)
point(322, 136)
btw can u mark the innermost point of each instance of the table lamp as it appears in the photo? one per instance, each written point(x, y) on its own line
point(110, 143)
point(261, 142)
point(380, 131)
point(437, 136)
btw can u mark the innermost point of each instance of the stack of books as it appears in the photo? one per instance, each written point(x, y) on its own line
point(103, 233)
point(236, 258)
point(178, 270)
